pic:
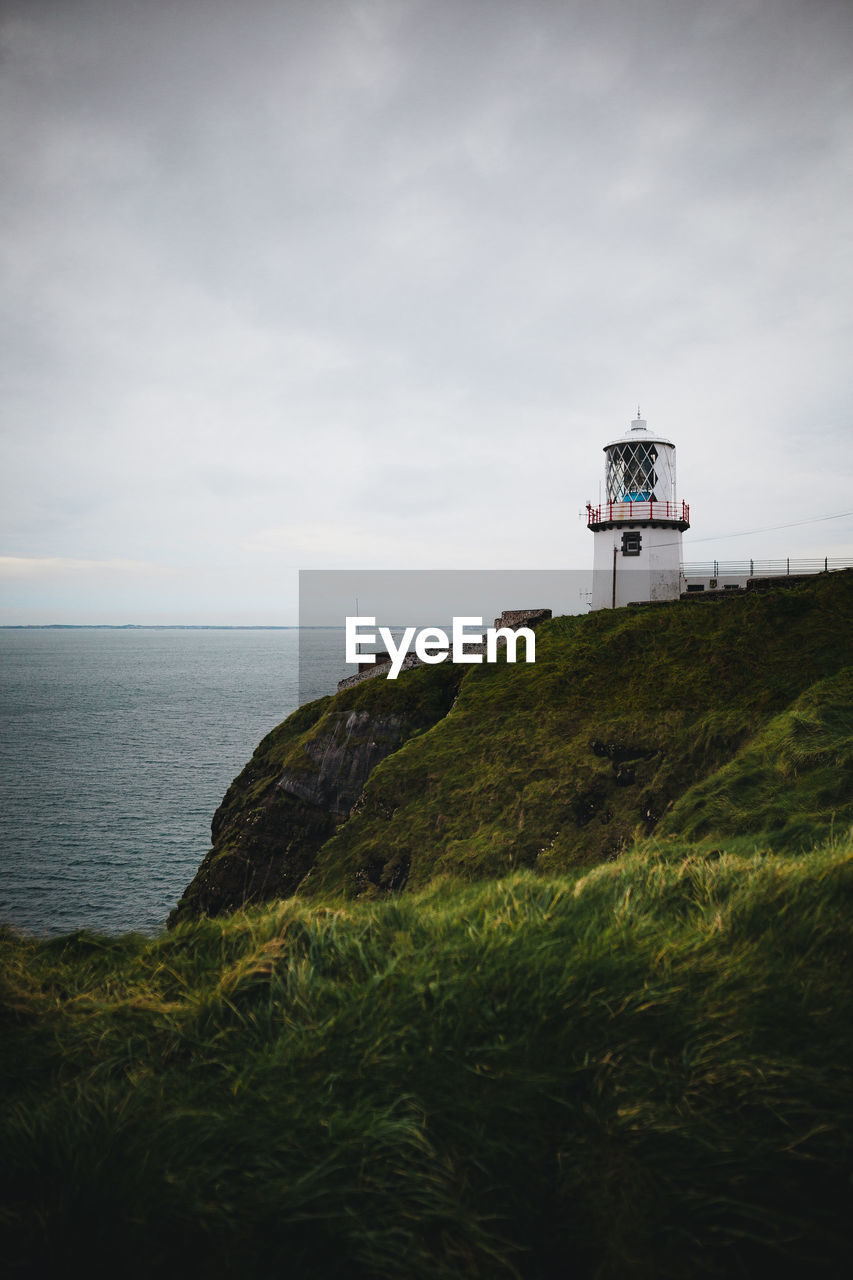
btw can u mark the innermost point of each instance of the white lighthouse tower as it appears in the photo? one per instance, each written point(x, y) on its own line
point(637, 530)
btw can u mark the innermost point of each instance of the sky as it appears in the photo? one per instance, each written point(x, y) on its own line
point(331, 285)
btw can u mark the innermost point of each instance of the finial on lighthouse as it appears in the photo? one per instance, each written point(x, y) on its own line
point(639, 423)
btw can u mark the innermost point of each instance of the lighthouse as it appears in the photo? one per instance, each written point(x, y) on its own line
point(637, 530)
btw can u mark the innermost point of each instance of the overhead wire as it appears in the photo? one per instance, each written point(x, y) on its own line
point(772, 528)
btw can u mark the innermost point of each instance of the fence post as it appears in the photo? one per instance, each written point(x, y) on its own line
point(788, 566)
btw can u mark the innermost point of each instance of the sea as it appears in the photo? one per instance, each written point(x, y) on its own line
point(116, 747)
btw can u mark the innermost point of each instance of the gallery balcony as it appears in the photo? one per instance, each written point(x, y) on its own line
point(675, 515)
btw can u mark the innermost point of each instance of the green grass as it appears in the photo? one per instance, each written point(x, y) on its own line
point(791, 779)
point(620, 728)
point(639, 1069)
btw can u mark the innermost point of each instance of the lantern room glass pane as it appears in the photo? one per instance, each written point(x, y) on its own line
point(631, 475)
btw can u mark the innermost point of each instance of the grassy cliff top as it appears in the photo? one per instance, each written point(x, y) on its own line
point(723, 719)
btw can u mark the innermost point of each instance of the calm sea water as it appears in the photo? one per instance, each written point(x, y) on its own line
point(116, 746)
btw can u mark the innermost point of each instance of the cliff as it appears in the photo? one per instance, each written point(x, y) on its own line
point(721, 720)
point(302, 783)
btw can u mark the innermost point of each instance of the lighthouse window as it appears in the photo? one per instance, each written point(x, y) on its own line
point(631, 475)
point(631, 543)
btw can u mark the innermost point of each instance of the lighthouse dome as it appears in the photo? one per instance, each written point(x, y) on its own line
point(639, 430)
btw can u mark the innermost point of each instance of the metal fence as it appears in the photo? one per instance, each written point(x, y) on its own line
point(761, 568)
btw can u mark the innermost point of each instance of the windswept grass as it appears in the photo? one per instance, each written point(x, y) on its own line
point(793, 778)
point(638, 1070)
point(625, 715)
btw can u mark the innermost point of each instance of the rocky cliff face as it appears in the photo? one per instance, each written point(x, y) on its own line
point(300, 787)
point(352, 743)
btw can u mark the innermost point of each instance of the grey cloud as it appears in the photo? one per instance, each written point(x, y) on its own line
point(260, 252)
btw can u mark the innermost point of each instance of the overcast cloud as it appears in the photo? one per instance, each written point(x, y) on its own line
point(328, 285)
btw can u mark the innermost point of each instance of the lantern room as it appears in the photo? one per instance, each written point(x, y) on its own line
point(640, 467)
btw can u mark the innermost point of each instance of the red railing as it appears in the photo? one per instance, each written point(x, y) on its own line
point(606, 512)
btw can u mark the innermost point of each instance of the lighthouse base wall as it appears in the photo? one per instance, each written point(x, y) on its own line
point(635, 562)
